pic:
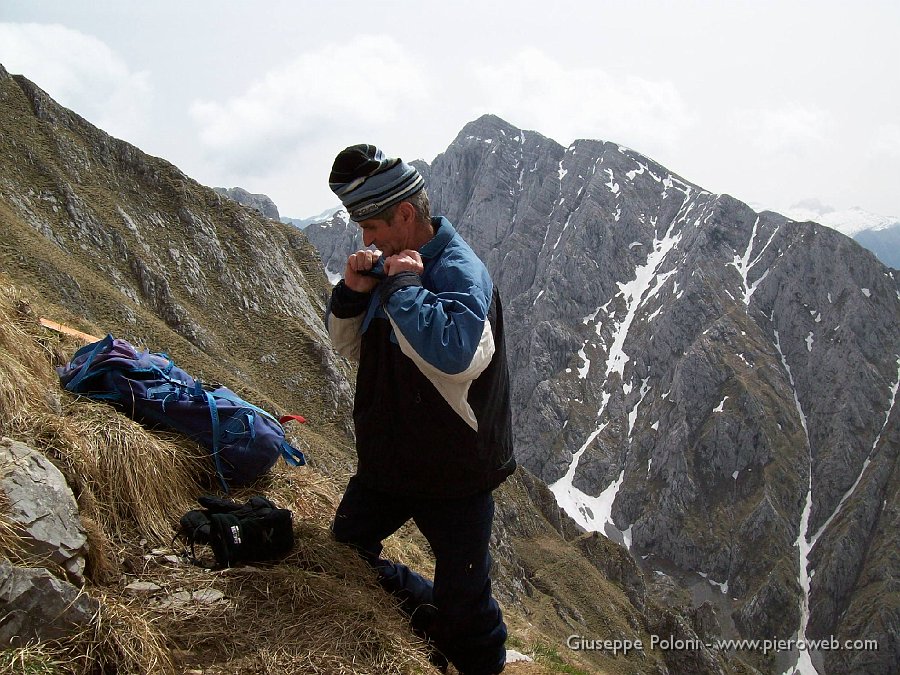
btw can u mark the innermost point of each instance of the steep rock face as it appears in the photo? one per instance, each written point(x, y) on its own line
point(335, 238)
point(712, 386)
point(727, 378)
point(261, 203)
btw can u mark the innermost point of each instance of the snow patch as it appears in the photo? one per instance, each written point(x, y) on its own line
point(583, 370)
point(632, 416)
point(743, 264)
point(612, 185)
point(565, 227)
point(866, 292)
point(721, 406)
point(722, 586)
point(592, 513)
point(647, 282)
point(592, 317)
point(803, 543)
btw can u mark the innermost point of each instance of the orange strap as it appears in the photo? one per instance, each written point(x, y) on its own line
point(60, 328)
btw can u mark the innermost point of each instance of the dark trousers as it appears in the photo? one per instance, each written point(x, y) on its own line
point(457, 611)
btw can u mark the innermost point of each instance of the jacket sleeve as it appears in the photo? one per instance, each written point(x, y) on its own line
point(446, 332)
point(343, 318)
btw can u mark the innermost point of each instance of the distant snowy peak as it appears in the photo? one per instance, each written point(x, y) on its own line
point(847, 221)
point(303, 223)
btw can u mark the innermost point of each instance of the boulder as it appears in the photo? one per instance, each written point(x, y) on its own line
point(43, 506)
point(37, 606)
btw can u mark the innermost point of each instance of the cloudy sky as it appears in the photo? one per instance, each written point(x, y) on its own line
point(774, 102)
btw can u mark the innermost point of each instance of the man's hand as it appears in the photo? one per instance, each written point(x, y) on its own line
point(405, 261)
point(361, 261)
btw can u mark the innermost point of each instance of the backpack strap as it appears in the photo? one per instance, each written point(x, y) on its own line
point(237, 400)
point(292, 455)
point(104, 344)
point(214, 416)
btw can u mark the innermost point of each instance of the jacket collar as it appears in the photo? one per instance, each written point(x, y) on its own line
point(443, 233)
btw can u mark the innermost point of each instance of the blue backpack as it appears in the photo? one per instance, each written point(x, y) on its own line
point(245, 441)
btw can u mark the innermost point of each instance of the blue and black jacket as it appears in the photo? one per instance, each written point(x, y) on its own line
point(432, 391)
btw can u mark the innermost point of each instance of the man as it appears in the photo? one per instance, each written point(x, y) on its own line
point(432, 415)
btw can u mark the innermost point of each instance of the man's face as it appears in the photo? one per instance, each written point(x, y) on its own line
point(387, 236)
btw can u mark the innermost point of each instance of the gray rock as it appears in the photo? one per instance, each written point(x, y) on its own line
point(142, 588)
point(261, 203)
point(335, 238)
point(43, 505)
point(208, 596)
point(37, 606)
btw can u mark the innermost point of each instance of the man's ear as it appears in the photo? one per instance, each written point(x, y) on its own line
point(406, 212)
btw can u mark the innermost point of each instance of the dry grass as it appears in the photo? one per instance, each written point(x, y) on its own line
point(36, 659)
point(124, 641)
point(123, 475)
point(319, 611)
point(129, 477)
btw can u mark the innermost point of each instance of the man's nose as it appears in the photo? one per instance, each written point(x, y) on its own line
point(368, 239)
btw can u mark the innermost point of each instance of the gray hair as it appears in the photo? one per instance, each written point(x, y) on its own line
point(419, 202)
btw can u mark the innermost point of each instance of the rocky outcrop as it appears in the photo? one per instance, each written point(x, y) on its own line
point(714, 387)
point(43, 508)
point(37, 606)
point(334, 238)
point(261, 203)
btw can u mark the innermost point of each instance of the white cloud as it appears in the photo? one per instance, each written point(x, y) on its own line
point(314, 100)
point(885, 142)
point(791, 130)
point(537, 92)
point(80, 72)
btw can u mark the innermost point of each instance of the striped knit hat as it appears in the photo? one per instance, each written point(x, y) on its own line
point(367, 182)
